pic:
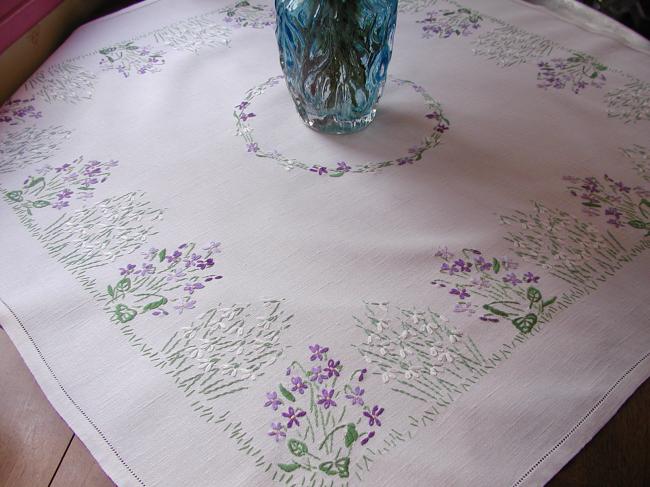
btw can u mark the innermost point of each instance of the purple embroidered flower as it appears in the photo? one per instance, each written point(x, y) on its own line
point(204, 264)
point(288, 371)
point(621, 187)
point(175, 257)
point(441, 128)
point(317, 375)
point(66, 193)
point(613, 212)
point(65, 167)
point(59, 205)
point(482, 264)
point(355, 397)
point(404, 160)
point(272, 400)
point(191, 287)
point(191, 260)
point(151, 253)
point(160, 313)
point(293, 415)
point(317, 352)
point(176, 275)
point(463, 266)
point(89, 182)
point(343, 167)
point(367, 438)
point(373, 416)
point(319, 169)
point(512, 279)
point(277, 432)
point(298, 384)
point(213, 247)
point(332, 368)
point(189, 304)
point(242, 105)
point(433, 116)
point(452, 269)
point(146, 269)
point(125, 271)
point(245, 116)
point(362, 374)
point(529, 277)
point(616, 222)
point(461, 293)
point(443, 252)
point(488, 318)
point(253, 147)
point(326, 399)
point(211, 278)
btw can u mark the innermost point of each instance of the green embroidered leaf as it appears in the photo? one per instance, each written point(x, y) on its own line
point(162, 254)
point(16, 196)
point(34, 182)
point(549, 302)
point(111, 291)
point(154, 304)
point(288, 467)
point(496, 265)
point(328, 468)
point(40, 204)
point(526, 323)
point(638, 224)
point(495, 311)
point(298, 448)
point(123, 285)
point(351, 435)
point(287, 395)
point(336, 174)
point(533, 295)
point(124, 314)
point(342, 466)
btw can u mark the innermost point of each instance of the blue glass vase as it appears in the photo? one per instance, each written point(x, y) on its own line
point(334, 55)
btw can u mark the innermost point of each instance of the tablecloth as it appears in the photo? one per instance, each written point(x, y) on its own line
point(210, 293)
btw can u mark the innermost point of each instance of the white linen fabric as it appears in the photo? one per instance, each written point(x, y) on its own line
point(210, 293)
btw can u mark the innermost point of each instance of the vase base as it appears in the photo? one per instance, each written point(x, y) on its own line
point(332, 125)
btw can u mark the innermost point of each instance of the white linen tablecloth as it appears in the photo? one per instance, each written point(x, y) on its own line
point(210, 293)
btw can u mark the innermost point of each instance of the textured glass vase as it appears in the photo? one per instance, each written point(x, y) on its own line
point(334, 54)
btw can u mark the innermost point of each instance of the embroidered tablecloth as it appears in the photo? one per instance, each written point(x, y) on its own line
point(210, 293)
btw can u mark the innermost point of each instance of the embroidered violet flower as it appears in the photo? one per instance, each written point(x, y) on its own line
point(204, 264)
point(317, 352)
point(512, 279)
point(293, 415)
point(463, 266)
point(529, 277)
point(189, 304)
point(355, 397)
point(253, 147)
point(191, 287)
point(191, 260)
point(489, 318)
point(272, 401)
point(176, 275)
point(343, 167)
point(331, 368)
point(461, 293)
point(213, 247)
point(444, 268)
point(245, 116)
point(367, 438)
point(482, 264)
point(175, 257)
point(317, 375)
point(362, 374)
point(65, 167)
point(125, 271)
point(443, 252)
point(402, 161)
point(146, 269)
point(621, 187)
point(319, 169)
point(326, 400)
point(373, 416)
point(59, 205)
point(66, 193)
point(298, 384)
point(277, 432)
point(242, 105)
point(151, 253)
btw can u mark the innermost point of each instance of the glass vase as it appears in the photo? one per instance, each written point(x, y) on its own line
point(334, 55)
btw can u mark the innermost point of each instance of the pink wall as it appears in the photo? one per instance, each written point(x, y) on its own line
point(18, 16)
